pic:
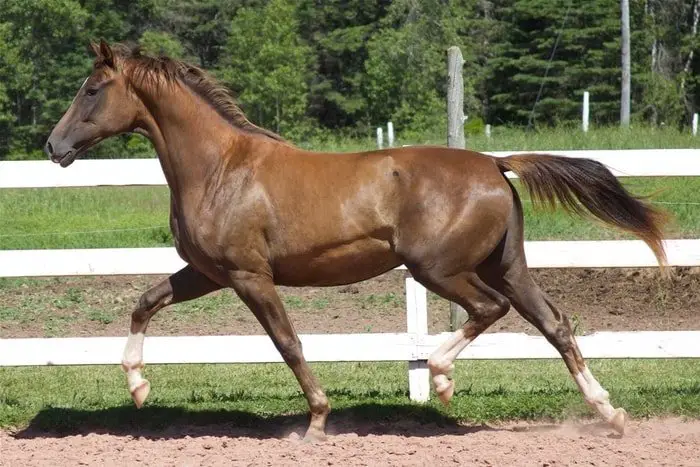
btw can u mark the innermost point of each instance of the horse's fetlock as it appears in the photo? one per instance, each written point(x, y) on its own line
point(440, 366)
point(129, 366)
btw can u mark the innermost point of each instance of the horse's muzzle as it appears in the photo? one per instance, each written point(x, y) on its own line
point(64, 158)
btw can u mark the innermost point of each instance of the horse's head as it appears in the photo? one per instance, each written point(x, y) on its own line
point(104, 106)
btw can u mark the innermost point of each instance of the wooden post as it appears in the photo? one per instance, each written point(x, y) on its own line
point(455, 99)
point(695, 124)
point(455, 138)
point(390, 134)
point(380, 138)
point(585, 113)
point(487, 131)
point(626, 74)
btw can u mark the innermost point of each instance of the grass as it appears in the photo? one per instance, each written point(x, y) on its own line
point(66, 217)
point(672, 194)
point(637, 137)
point(71, 398)
point(138, 216)
point(504, 138)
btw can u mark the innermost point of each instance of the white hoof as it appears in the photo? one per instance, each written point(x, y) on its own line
point(619, 420)
point(445, 388)
point(140, 393)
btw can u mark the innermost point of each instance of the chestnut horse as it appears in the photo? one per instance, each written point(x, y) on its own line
point(250, 211)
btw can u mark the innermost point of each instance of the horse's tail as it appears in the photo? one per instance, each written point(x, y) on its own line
point(584, 185)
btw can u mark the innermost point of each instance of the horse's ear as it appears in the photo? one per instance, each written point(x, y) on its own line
point(107, 54)
point(95, 48)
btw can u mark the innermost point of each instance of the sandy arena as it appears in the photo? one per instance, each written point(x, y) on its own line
point(602, 299)
point(652, 442)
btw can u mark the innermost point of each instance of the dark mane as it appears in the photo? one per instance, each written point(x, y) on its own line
point(144, 67)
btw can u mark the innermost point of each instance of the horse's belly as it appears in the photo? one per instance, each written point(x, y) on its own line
point(337, 265)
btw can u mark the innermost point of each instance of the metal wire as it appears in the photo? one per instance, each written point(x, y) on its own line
point(80, 232)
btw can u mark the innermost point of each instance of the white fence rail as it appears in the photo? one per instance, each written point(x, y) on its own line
point(123, 172)
point(414, 346)
point(128, 261)
point(398, 347)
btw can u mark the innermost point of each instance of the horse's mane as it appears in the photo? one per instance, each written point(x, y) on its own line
point(145, 68)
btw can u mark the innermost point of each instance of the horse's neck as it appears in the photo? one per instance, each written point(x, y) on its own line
point(189, 136)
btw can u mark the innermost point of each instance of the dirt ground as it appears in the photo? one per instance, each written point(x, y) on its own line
point(656, 442)
point(594, 299)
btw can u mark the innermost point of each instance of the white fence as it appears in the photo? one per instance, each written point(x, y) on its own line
point(42, 174)
point(414, 346)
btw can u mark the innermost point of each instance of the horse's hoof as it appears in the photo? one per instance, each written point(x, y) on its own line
point(314, 436)
point(445, 391)
point(619, 420)
point(140, 393)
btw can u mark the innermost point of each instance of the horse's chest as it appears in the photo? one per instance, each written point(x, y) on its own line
point(195, 241)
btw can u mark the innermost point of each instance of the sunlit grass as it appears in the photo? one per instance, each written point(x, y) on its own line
point(78, 397)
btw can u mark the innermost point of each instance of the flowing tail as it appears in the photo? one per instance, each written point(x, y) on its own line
point(585, 186)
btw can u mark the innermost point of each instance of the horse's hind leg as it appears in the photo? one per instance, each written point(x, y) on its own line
point(535, 307)
point(484, 306)
point(184, 285)
point(508, 273)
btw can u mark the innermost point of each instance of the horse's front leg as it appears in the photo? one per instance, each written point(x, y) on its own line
point(184, 285)
point(259, 294)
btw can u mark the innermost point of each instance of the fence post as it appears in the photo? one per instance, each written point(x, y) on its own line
point(586, 111)
point(455, 138)
point(487, 131)
point(695, 124)
point(417, 324)
point(390, 134)
point(455, 99)
point(626, 60)
point(380, 138)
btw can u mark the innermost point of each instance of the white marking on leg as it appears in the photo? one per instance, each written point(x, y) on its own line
point(441, 363)
point(594, 393)
point(132, 361)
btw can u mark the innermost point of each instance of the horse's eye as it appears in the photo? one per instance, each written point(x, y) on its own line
point(91, 91)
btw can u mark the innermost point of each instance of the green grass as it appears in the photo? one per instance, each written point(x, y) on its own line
point(67, 217)
point(672, 194)
point(71, 398)
point(504, 138)
point(637, 137)
point(94, 217)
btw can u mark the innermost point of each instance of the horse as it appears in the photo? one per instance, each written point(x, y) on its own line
point(250, 211)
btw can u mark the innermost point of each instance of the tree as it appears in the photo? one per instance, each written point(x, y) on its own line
point(339, 31)
point(670, 76)
point(406, 66)
point(587, 57)
point(270, 66)
point(48, 43)
point(161, 43)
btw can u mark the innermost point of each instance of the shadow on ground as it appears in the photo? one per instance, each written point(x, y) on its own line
point(171, 423)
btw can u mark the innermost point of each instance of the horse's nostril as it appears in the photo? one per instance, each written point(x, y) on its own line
point(49, 148)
